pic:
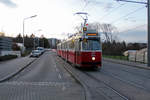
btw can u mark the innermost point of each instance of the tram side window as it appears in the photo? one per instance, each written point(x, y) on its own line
point(57, 47)
point(61, 46)
point(65, 46)
point(79, 45)
point(76, 45)
point(71, 45)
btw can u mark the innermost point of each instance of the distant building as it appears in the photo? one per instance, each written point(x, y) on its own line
point(2, 34)
point(5, 45)
point(53, 42)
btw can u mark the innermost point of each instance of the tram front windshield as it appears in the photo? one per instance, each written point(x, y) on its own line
point(91, 45)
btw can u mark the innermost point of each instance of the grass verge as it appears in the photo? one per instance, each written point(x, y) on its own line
point(116, 57)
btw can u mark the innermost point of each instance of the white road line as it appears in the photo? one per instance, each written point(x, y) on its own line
point(59, 76)
point(63, 88)
point(55, 65)
point(57, 70)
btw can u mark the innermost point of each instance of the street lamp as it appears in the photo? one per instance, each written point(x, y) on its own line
point(23, 24)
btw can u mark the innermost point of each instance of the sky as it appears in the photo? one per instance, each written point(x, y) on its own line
point(57, 18)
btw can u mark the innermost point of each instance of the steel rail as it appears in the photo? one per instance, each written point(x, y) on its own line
point(100, 81)
point(134, 73)
point(128, 82)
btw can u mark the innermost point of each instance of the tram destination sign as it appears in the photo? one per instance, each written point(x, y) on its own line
point(91, 34)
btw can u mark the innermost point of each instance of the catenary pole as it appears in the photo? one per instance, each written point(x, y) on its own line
point(148, 44)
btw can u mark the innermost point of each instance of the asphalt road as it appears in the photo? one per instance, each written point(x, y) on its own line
point(44, 79)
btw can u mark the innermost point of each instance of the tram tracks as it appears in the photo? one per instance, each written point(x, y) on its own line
point(125, 81)
point(130, 90)
point(131, 71)
point(94, 89)
point(110, 87)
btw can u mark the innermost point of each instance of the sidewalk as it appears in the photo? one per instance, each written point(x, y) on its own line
point(11, 67)
point(132, 64)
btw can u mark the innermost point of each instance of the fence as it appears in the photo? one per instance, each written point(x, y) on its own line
point(138, 56)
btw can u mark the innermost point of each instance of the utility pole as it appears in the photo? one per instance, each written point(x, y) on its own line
point(24, 25)
point(42, 37)
point(148, 25)
point(148, 51)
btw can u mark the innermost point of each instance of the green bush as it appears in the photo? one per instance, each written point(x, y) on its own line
point(7, 57)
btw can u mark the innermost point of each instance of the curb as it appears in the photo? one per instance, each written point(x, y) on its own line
point(15, 73)
point(121, 62)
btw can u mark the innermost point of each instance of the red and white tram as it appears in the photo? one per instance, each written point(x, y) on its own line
point(82, 49)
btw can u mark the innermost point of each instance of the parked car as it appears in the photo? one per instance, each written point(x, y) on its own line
point(35, 53)
point(41, 49)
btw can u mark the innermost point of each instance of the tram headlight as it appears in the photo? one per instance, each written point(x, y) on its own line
point(93, 58)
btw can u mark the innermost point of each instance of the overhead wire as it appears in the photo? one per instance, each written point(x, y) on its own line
point(130, 13)
point(111, 11)
point(86, 3)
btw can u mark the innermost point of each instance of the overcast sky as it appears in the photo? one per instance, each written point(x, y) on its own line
point(56, 17)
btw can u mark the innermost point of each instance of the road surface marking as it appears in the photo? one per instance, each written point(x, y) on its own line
point(63, 88)
point(59, 76)
point(57, 70)
point(55, 65)
point(62, 84)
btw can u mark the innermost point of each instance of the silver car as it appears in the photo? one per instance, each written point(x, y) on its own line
point(41, 49)
point(35, 53)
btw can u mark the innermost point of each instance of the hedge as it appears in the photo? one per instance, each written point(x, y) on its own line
point(7, 57)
